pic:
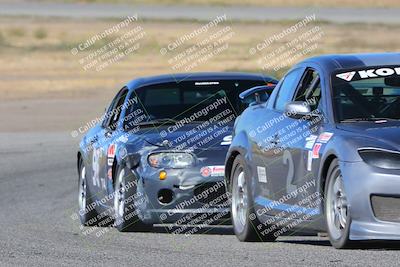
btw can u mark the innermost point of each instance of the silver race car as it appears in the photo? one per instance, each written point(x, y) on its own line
point(323, 154)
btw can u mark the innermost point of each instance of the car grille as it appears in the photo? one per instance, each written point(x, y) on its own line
point(211, 193)
point(386, 208)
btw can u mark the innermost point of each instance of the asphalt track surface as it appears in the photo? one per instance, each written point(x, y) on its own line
point(170, 12)
point(38, 195)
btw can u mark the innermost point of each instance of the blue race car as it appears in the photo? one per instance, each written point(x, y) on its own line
point(322, 155)
point(157, 155)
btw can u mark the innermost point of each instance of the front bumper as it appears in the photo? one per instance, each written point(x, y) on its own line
point(362, 182)
point(184, 197)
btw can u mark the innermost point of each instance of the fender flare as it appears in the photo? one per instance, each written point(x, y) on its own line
point(240, 146)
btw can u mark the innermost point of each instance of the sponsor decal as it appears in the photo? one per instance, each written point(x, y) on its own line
point(310, 141)
point(347, 76)
point(369, 73)
point(206, 83)
point(111, 151)
point(208, 171)
point(109, 173)
point(325, 137)
point(227, 140)
point(262, 174)
point(309, 161)
point(205, 171)
point(96, 166)
point(374, 73)
point(103, 183)
point(315, 151)
point(111, 154)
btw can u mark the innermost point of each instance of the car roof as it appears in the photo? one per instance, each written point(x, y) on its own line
point(348, 61)
point(199, 76)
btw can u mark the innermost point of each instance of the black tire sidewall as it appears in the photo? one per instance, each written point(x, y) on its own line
point(87, 218)
point(344, 240)
point(129, 221)
point(250, 231)
point(237, 166)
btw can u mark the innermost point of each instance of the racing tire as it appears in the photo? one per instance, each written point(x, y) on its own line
point(125, 214)
point(245, 223)
point(337, 212)
point(87, 214)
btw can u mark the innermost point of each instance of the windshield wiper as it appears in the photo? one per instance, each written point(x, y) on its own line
point(158, 121)
point(368, 119)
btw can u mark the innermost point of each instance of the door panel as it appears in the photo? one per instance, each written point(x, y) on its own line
point(105, 145)
point(270, 155)
point(299, 151)
point(289, 161)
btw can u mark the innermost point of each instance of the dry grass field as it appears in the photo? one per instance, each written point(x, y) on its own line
point(35, 57)
point(36, 63)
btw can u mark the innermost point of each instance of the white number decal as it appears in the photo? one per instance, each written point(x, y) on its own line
point(227, 140)
point(288, 160)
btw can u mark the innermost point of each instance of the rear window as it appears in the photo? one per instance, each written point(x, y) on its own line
point(186, 99)
point(159, 96)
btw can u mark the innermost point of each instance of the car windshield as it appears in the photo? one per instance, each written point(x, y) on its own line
point(368, 94)
point(187, 101)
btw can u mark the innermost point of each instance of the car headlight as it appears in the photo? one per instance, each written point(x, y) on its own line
point(171, 160)
point(381, 158)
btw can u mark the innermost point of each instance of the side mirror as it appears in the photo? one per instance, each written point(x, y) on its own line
point(299, 109)
point(256, 95)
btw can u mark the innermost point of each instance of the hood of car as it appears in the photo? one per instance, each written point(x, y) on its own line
point(377, 132)
point(186, 137)
point(209, 144)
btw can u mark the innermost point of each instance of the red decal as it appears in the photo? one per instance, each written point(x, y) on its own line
point(325, 137)
point(205, 171)
point(316, 149)
point(111, 151)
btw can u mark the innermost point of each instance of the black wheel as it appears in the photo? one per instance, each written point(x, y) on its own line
point(246, 225)
point(337, 213)
point(125, 197)
point(87, 214)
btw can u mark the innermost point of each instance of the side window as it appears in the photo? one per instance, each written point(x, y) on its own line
point(109, 110)
point(309, 89)
point(115, 109)
point(287, 89)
